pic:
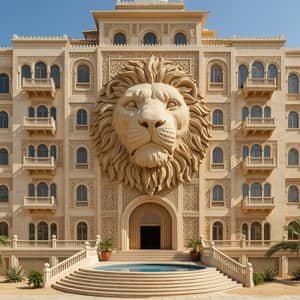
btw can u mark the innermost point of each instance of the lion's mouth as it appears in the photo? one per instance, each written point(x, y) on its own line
point(151, 145)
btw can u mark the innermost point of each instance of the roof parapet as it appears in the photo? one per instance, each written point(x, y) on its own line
point(150, 4)
point(50, 38)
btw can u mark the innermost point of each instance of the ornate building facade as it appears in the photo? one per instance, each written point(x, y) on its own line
point(51, 180)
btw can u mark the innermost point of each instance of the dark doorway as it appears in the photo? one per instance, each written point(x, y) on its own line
point(150, 237)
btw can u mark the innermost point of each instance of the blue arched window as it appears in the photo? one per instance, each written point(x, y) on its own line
point(82, 231)
point(180, 39)
point(150, 39)
point(53, 112)
point(293, 120)
point(3, 119)
point(256, 233)
point(31, 112)
point(256, 190)
point(4, 229)
point(243, 74)
point(217, 156)
point(31, 151)
point(42, 111)
point(245, 190)
point(293, 194)
point(216, 74)
point(3, 194)
point(217, 194)
point(258, 70)
point(267, 232)
point(53, 192)
point(31, 232)
point(42, 189)
point(256, 112)
point(256, 151)
point(42, 151)
point(31, 190)
point(81, 117)
point(293, 84)
point(245, 113)
point(217, 117)
point(267, 112)
point(245, 231)
point(217, 231)
point(267, 151)
point(4, 84)
point(43, 233)
point(267, 190)
point(81, 193)
point(245, 152)
point(272, 72)
point(120, 39)
point(293, 158)
point(55, 74)
point(3, 157)
point(40, 70)
point(26, 71)
point(83, 74)
point(53, 151)
point(82, 156)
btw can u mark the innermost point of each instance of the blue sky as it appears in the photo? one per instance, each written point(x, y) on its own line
point(228, 17)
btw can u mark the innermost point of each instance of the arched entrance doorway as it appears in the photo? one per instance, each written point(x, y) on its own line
point(150, 227)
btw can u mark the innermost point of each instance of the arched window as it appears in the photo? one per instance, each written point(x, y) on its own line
point(3, 119)
point(3, 157)
point(267, 232)
point(245, 231)
point(82, 231)
point(43, 234)
point(82, 156)
point(53, 112)
point(267, 190)
point(272, 72)
point(245, 152)
point(40, 70)
point(258, 70)
point(256, 190)
point(180, 39)
point(53, 229)
point(267, 112)
point(243, 74)
point(4, 84)
point(31, 151)
point(55, 74)
point(217, 156)
point(4, 229)
point(217, 117)
point(31, 232)
point(53, 190)
point(120, 39)
point(42, 151)
point(42, 189)
point(216, 74)
point(256, 112)
point(245, 113)
point(3, 194)
point(83, 74)
point(293, 84)
point(31, 190)
point(217, 231)
point(245, 190)
point(267, 151)
point(293, 194)
point(42, 111)
point(293, 120)
point(292, 235)
point(256, 150)
point(293, 158)
point(256, 231)
point(26, 71)
point(81, 118)
point(150, 39)
point(53, 151)
point(81, 194)
point(217, 194)
point(31, 112)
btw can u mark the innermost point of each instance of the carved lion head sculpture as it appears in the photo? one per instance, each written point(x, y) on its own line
point(150, 130)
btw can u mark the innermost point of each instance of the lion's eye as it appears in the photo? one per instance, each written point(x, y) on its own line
point(131, 105)
point(172, 104)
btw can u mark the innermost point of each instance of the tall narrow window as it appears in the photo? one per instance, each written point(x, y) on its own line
point(31, 151)
point(81, 195)
point(293, 194)
point(53, 112)
point(256, 112)
point(40, 70)
point(53, 151)
point(267, 112)
point(82, 231)
point(245, 113)
point(272, 72)
point(42, 111)
point(83, 74)
point(120, 39)
point(267, 151)
point(81, 117)
point(3, 119)
point(4, 84)
point(180, 39)
point(53, 229)
point(217, 231)
point(256, 150)
point(217, 117)
point(293, 158)
point(81, 157)
point(3, 194)
point(256, 190)
point(218, 156)
point(245, 231)
point(31, 190)
point(4, 229)
point(53, 191)
point(150, 39)
point(217, 194)
point(31, 112)
point(243, 74)
point(291, 234)
point(3, 157)
point(43, 234)
point(258, 70)
point(293, 120)
point(267, 190)
point(245, 190)
point(293, 84)
point(42, 151)
point(31, 232)
point(26, 71)
point(267, 232)
point(42, 189)
point(245, 152)
point(256, 231)
point(55, 74)
point(216, 74)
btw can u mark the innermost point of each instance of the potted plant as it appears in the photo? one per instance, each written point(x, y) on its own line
point(105, 249)
point(194, 246)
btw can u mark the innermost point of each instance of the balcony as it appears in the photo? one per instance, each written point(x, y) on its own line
point(259, 87)
point(253, 126)
point(39, 203)
point(258, 164)
point(39, 164)
point(39, 87)
point(39, 125)
point(258, 204)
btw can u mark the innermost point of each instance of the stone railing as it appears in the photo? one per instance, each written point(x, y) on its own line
point(250, 121)
point(213, 257)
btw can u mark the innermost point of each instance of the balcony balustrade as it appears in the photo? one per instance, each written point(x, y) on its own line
point(39, 164)
point(253, 126)
point(39, 87)
point(258, 164)
point(39, 203)
point(259, 87)
point(125, 4)
point(258, 203)
point(39, 125)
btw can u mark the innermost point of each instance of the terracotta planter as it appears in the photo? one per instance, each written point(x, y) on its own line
point(195, 255)
point(105, 255)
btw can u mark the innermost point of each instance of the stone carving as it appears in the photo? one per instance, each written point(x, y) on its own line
point(150, 129)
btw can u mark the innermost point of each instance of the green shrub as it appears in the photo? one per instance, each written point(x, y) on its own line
point(269, 274)
point(258, 278)
point(15, 274)
point(296, 274)
point(35, 278)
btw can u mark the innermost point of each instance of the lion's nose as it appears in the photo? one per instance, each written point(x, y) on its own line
point(152, 123)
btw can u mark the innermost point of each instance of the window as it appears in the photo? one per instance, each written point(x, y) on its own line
point(82, 234)
point(293, 194)
point(4, 229)
point(256, 190)
point(31, 112)
point(3, 119)
point(293, 120)
point(4, 84)
point(81, 157)
point(42, 151)
point(81, 195)
point(53, 192)
point(31, 190)
point(81, 118)
point(243, 74)
point(53, 112)
point(267, 151)
point(292, 235)
point(42, 189)
point(53, 151)
point(256, 112)
point(245, 231)
point(256, 150)
point(150, 39)
point(267, 232)
point(217, 117)
point(40, 70)
point(293, 84)
point(31, 232)
point(217, 156)
point(245, 190)
point(216, 74)
point(42, 111)
point(258, 70)
point(217, 231)
point(43, 234)
point(31, 151)
point(245, 152)
point(267, 190)
point(120, 39)
point(272, 72)
point(293, 157)
point(3, 157)
point(245, 113)
point(26, 71)
point(53, 229)
point(180, 39)
point(256, 231)
point(83, 74)
point(217, 194)
point(3, 194)
point(55, 74)
point(267, 112)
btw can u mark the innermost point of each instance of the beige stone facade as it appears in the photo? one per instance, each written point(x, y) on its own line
point(53, 177)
